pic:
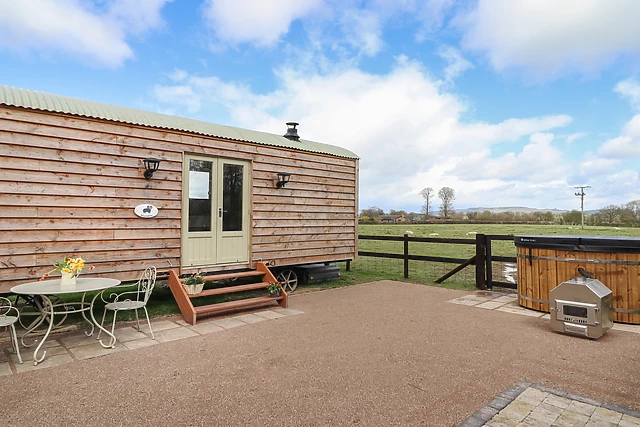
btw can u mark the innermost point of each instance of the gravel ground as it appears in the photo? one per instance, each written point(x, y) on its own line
point(384, 353)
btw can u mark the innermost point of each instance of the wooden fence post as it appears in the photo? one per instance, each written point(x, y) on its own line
point(489, 273)
point(481, 242)
point(406, 256)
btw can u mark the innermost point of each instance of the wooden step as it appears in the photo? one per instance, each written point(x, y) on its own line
point(213, 308)
point(250, 273)
point(230, 289)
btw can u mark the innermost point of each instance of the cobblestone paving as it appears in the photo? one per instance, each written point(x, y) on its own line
point(62, 350)
point(532, 405)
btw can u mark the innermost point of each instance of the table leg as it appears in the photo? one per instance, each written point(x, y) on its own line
point(87, 333)
point(47, 304)
point(112, 338)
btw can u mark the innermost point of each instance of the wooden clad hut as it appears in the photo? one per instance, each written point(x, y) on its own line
point(72, 174)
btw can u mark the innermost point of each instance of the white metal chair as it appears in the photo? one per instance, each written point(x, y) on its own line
point(8, 321)
point(131, 300)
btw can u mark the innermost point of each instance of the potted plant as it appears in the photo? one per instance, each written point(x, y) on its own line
point(274, 289)
point(193, 284)
point(69, 269)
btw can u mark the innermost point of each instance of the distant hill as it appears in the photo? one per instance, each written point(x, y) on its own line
point(513, 209)
point(520, 209)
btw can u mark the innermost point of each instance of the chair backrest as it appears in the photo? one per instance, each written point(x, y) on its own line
point(6, 307)
point(146, 283)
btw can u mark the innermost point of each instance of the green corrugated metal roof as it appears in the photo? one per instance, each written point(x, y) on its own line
point(61, 104)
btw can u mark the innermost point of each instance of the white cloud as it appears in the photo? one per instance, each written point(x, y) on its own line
point(627, 145)
point(432, 14)
point(179, 94)
point(74, 28)
point(629, 89)
point(576, 136)
point(362, 29)
point(550, 37)
point(402, 124)
point(456, 63)
point(538, 162)
point(259, 22)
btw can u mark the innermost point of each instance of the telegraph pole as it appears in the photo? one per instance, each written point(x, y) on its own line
point(581, 193)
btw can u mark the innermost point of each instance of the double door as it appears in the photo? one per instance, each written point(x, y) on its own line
point(215, 206)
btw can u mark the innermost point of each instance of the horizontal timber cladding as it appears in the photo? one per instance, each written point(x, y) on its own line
point(68, 186)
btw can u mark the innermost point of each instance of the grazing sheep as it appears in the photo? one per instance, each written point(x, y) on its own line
point(616, 228)
point(472, 233)
point(434, 234)
point(409, 232)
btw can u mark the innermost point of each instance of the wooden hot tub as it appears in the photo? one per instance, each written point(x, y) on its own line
point(546, 261)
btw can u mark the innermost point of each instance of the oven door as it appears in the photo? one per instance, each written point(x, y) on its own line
point(577, 312)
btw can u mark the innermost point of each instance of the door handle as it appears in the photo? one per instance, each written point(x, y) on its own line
point(220, 212)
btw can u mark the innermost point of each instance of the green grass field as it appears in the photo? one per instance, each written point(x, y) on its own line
point(459, 231)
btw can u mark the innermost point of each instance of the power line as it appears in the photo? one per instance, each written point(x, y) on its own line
point(581, 193)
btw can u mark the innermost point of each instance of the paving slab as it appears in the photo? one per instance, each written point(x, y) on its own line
point(94, 350)
point(48, 362)
point(160, 325)
point(520, 311)
point(288, 311)
point(229, 323)
point(174, 334)
point(206, 327)
point(27, 354)
point(250, 318)
point(129, 334)
point(506, 298)
point(490, 305)
point(5, 369)
point(269, 314)
point(465, 301)
point(81, 340)
point(145, 342)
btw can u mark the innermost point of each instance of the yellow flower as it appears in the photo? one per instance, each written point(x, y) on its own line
point(67, 270)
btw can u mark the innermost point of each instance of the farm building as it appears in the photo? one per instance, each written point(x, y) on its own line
point(77, 178)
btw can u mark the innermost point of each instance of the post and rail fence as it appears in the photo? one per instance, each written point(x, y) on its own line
point(482, 260)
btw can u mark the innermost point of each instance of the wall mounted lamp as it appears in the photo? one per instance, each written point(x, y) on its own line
point(151, 166)
point(283, 178)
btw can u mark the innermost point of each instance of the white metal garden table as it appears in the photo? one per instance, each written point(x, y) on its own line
point(46, 288)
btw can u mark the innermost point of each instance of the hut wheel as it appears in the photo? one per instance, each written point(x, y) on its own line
point(289, 280)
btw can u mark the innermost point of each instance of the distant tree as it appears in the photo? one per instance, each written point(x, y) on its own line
point(371, 212)
point(472, 215)
point(395, 212)
point(485, 215)
point(427, 195)
point(634, 207)
point(610, 214)
point(573, 217)
point(447, 195)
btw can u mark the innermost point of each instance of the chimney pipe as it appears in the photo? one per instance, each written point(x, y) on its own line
point(292, 132)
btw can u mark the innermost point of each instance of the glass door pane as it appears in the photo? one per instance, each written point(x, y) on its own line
point(232, 192)
point(200, 173)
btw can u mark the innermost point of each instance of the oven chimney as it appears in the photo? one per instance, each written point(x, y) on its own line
point(292, 132)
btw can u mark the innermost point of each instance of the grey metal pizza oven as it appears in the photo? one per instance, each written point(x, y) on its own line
point(581, 306)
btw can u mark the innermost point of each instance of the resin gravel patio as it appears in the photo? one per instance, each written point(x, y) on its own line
point(384, 353)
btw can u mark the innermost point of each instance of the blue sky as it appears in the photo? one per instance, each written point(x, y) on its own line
point(509, 102)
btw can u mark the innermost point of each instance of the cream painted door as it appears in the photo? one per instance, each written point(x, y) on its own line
point(215, 212)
